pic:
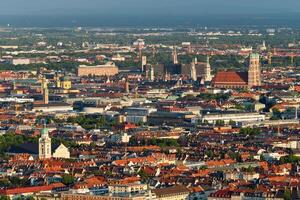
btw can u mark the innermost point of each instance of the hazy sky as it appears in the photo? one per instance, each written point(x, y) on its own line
point(147, 7)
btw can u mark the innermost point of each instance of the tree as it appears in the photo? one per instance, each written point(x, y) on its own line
point(210, 154)
point(232, 123)
point(68, 179)
point(144, 176)
point(220, 123)
point(290, 159)
point(287, 194)
point(276, 114)
point(204, 167)
point(249, 131)
point(4, 198)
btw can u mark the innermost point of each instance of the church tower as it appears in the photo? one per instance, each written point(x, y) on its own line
point(144, 63)
point(127, 88)
point(57, 81)
point(45, 144)
point(254, 74)
point(45, 91)
point(207, 71)
point(175, 56)
point(46, 95)
point(152, 76)
point(193, 71)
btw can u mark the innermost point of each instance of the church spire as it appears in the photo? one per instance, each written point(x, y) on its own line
point(193, 71)
point(207, 70)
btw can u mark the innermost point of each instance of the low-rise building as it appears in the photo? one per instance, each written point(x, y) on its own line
point(109, 69)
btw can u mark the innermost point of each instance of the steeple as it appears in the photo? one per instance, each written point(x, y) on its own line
point(207, 71)
point(45, 144)
point(167, 75)
point(45, 90)
point(46, 95)
point(193, 71)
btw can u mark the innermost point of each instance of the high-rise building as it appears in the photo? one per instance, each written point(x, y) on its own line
point(45, 144)
point(175, 56)
point(254, 73)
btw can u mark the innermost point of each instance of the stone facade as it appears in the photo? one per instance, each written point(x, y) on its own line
point(109, 69)
point(44, 145)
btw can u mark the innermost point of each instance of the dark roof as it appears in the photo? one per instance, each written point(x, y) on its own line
point(168, 114)
point(52, 104)
point(29, 148)
point(178, 189)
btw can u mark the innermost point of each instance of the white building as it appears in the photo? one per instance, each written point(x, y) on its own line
point(45, 145)
point(120, 138)
point(233, 116)
point(61, 152)
point(21, 61)
point(127, 188)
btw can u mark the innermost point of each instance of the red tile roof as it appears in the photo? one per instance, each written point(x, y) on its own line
point(230, 77)
point(34, 189)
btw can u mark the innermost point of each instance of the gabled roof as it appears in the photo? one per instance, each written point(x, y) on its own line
point(33, 189)
point(178, 189)
point(230, 77)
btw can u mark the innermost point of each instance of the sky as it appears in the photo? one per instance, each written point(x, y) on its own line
point(111, 7)
point(124, 11)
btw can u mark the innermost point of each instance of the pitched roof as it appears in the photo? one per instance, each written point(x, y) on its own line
point(230, 77)
point(34, 189)
point(170, 191)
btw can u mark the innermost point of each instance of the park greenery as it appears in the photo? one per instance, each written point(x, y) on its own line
point(154, 141)
point(217, 97)
point(290, 159)
point(91, 122)
point(68, 179)
point(249, 131)
point(10, 139)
